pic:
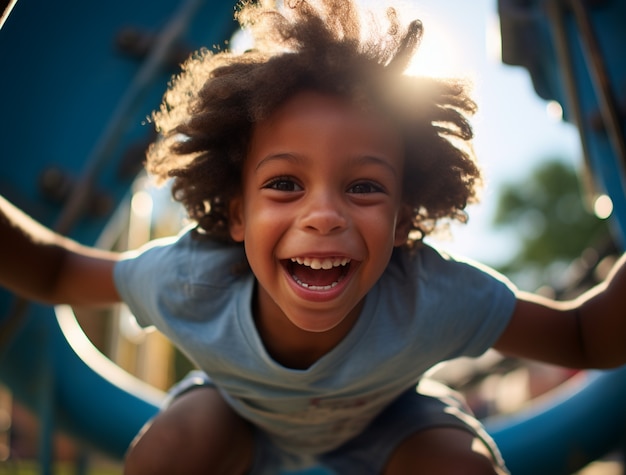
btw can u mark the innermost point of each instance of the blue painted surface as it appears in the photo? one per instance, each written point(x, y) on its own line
point(531, 37)
point(63, 86)
point(73, 102)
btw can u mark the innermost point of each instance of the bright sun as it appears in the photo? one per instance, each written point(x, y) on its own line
point(438, 53)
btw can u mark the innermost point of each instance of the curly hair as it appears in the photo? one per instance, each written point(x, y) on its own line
point(208, 113)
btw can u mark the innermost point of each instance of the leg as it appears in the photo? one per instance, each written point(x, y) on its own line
point(428, 431)
point(197, 434)
point(443, 450)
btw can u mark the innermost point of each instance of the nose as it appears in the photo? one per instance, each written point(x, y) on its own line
point(324, 213)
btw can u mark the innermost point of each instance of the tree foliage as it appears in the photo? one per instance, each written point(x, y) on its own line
point(547, 212)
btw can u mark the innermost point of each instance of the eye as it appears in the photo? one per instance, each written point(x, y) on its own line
point(283, 183)
point(366, 187)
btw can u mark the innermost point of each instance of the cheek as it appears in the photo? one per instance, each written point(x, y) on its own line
point(263, 225)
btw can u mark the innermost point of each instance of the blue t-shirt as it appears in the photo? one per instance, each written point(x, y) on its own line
point(425, 308)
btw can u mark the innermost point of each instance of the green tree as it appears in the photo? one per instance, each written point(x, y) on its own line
point(547, 212)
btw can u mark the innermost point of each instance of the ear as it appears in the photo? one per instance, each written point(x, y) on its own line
point(236, 225)
point(403, 225)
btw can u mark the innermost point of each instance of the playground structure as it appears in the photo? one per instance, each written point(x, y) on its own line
point(75, 102)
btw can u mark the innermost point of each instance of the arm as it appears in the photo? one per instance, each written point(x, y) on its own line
point(588, 332)
point(41, 265)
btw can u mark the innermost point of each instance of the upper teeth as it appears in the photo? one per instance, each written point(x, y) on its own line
point(326, 263)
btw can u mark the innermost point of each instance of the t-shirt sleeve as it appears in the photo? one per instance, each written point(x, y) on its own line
point(483, 301)
point(490, 300)
point(141, 276)
point(465, 306)
point(177, 280)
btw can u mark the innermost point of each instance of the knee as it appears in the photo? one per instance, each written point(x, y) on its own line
point(456, 464)
point(197, 434)
point(466, 464)
point(155, 451)
point(445, 451)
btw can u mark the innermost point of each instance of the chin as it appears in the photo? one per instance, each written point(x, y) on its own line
point(316, 326)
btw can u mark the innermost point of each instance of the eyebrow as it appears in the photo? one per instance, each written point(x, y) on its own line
point(279, 156)
point(360, 160)
point(370, 159)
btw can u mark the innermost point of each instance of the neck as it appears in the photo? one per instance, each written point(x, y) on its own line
point(289, 345)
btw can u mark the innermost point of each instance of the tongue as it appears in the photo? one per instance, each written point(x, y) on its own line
point(319, 277)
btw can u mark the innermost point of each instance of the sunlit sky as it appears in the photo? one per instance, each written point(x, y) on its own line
point(514, 130)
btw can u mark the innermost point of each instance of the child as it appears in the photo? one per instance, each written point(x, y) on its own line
point(313, 169)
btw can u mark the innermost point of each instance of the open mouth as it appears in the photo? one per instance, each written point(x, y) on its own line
point(318, 273)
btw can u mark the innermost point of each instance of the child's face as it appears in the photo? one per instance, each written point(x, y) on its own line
point(321, 188)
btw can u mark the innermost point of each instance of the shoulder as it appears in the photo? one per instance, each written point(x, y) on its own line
point(443, 286)
point(455, 306)
point(180, 278)
point(430, 266)
point(183, 260)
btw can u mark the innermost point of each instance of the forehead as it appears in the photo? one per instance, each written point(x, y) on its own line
point(318, 119)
